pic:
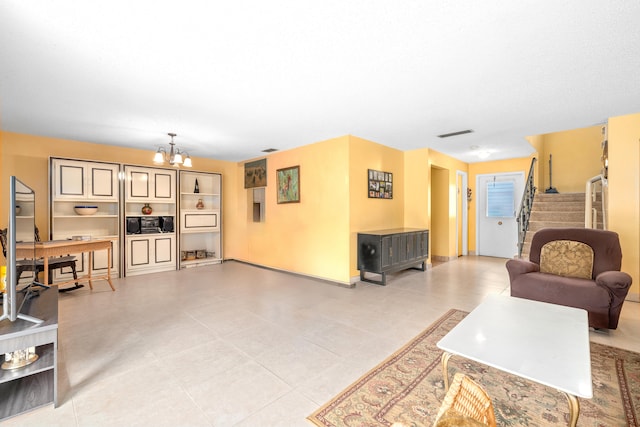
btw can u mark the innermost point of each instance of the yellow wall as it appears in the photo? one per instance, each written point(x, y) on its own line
point(576, 158)
point(460, 195)
point(537, 142)
point(444, 198)
point(3, 195)
point(318, 236)
point(369, 213)
point(416, 188)
point(440, 226)
point(624, 192)
point(310, 237)
point(522, 164)
point(27, 157)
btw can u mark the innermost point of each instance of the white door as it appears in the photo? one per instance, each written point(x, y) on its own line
point(498, 200)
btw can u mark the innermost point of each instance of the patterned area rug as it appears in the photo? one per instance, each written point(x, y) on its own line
point(408, 388)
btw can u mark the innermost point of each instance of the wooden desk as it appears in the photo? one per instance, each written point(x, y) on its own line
point(54, 248)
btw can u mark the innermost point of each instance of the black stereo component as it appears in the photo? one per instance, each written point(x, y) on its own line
point(166, 224)
point(133, 225)
point(150, 224)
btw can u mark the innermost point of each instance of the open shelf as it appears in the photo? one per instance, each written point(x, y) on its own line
point(35, 385)
point(200, 229)
point(44, 363)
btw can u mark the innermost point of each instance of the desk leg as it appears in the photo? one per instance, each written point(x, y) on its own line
point(574, 409)
point(89, 269)
point(45, 273)
point(445, 369)
point(109, 268)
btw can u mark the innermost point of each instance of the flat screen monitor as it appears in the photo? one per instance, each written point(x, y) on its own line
point(21, 253)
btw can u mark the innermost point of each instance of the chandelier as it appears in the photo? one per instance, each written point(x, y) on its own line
point(174, 157)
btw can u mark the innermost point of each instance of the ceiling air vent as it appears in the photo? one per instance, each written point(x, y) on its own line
point(460, 132)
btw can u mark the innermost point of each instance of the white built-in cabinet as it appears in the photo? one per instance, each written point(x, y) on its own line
point(146, 250)
point(200, 218)
point(85, 183)
point(189, 233)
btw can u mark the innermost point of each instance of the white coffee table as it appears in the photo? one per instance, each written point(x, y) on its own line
point(545, 343)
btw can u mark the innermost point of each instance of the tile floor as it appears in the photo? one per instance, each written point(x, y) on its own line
point(237, 345)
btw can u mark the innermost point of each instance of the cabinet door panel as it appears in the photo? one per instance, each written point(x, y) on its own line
point(163, 186)
point(64, 274)
point(411, 246)
point(101, 259)
point(424, 244)
point(71, 181)
point(387, 251)
point(164, 249)
point(199, 221)
point(399, 248)
point(102, 183)
point(139, 184)
point(139, 252)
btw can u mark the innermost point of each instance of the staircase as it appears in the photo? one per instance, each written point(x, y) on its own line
point(555, 210)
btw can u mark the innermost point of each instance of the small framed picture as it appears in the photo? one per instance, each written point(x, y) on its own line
point(380, 184)
point(289, 184)
point(255, 174)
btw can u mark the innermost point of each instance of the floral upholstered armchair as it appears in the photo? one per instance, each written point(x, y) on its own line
point(575, 267)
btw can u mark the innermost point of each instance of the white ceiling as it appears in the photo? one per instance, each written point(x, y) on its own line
point(232, 78)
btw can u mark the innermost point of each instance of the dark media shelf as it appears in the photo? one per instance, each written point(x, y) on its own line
point(34, 385)
point(29, 393)
point(44, 363)
point(387, 251)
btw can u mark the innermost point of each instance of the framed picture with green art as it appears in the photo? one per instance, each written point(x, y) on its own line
point(288, 185)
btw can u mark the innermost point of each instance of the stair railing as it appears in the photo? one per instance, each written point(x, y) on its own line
point(524, 212)
point(595, 185)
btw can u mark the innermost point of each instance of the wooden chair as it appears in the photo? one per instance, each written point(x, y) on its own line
point(55, 263)
point(465, 404)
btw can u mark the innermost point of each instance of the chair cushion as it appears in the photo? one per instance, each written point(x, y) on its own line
point(567, 258)
point(607, 253)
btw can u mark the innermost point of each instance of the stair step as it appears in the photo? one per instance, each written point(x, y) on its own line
point(539, 205)
point(539, 225)
point(555, 210)
point(557, 197)
point(569, 216)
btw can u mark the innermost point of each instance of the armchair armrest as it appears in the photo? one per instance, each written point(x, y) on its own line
point(616, 282)
point(516, 267)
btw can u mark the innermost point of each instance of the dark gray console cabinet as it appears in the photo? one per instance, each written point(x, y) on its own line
point(386, 251)
point(35, 385)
